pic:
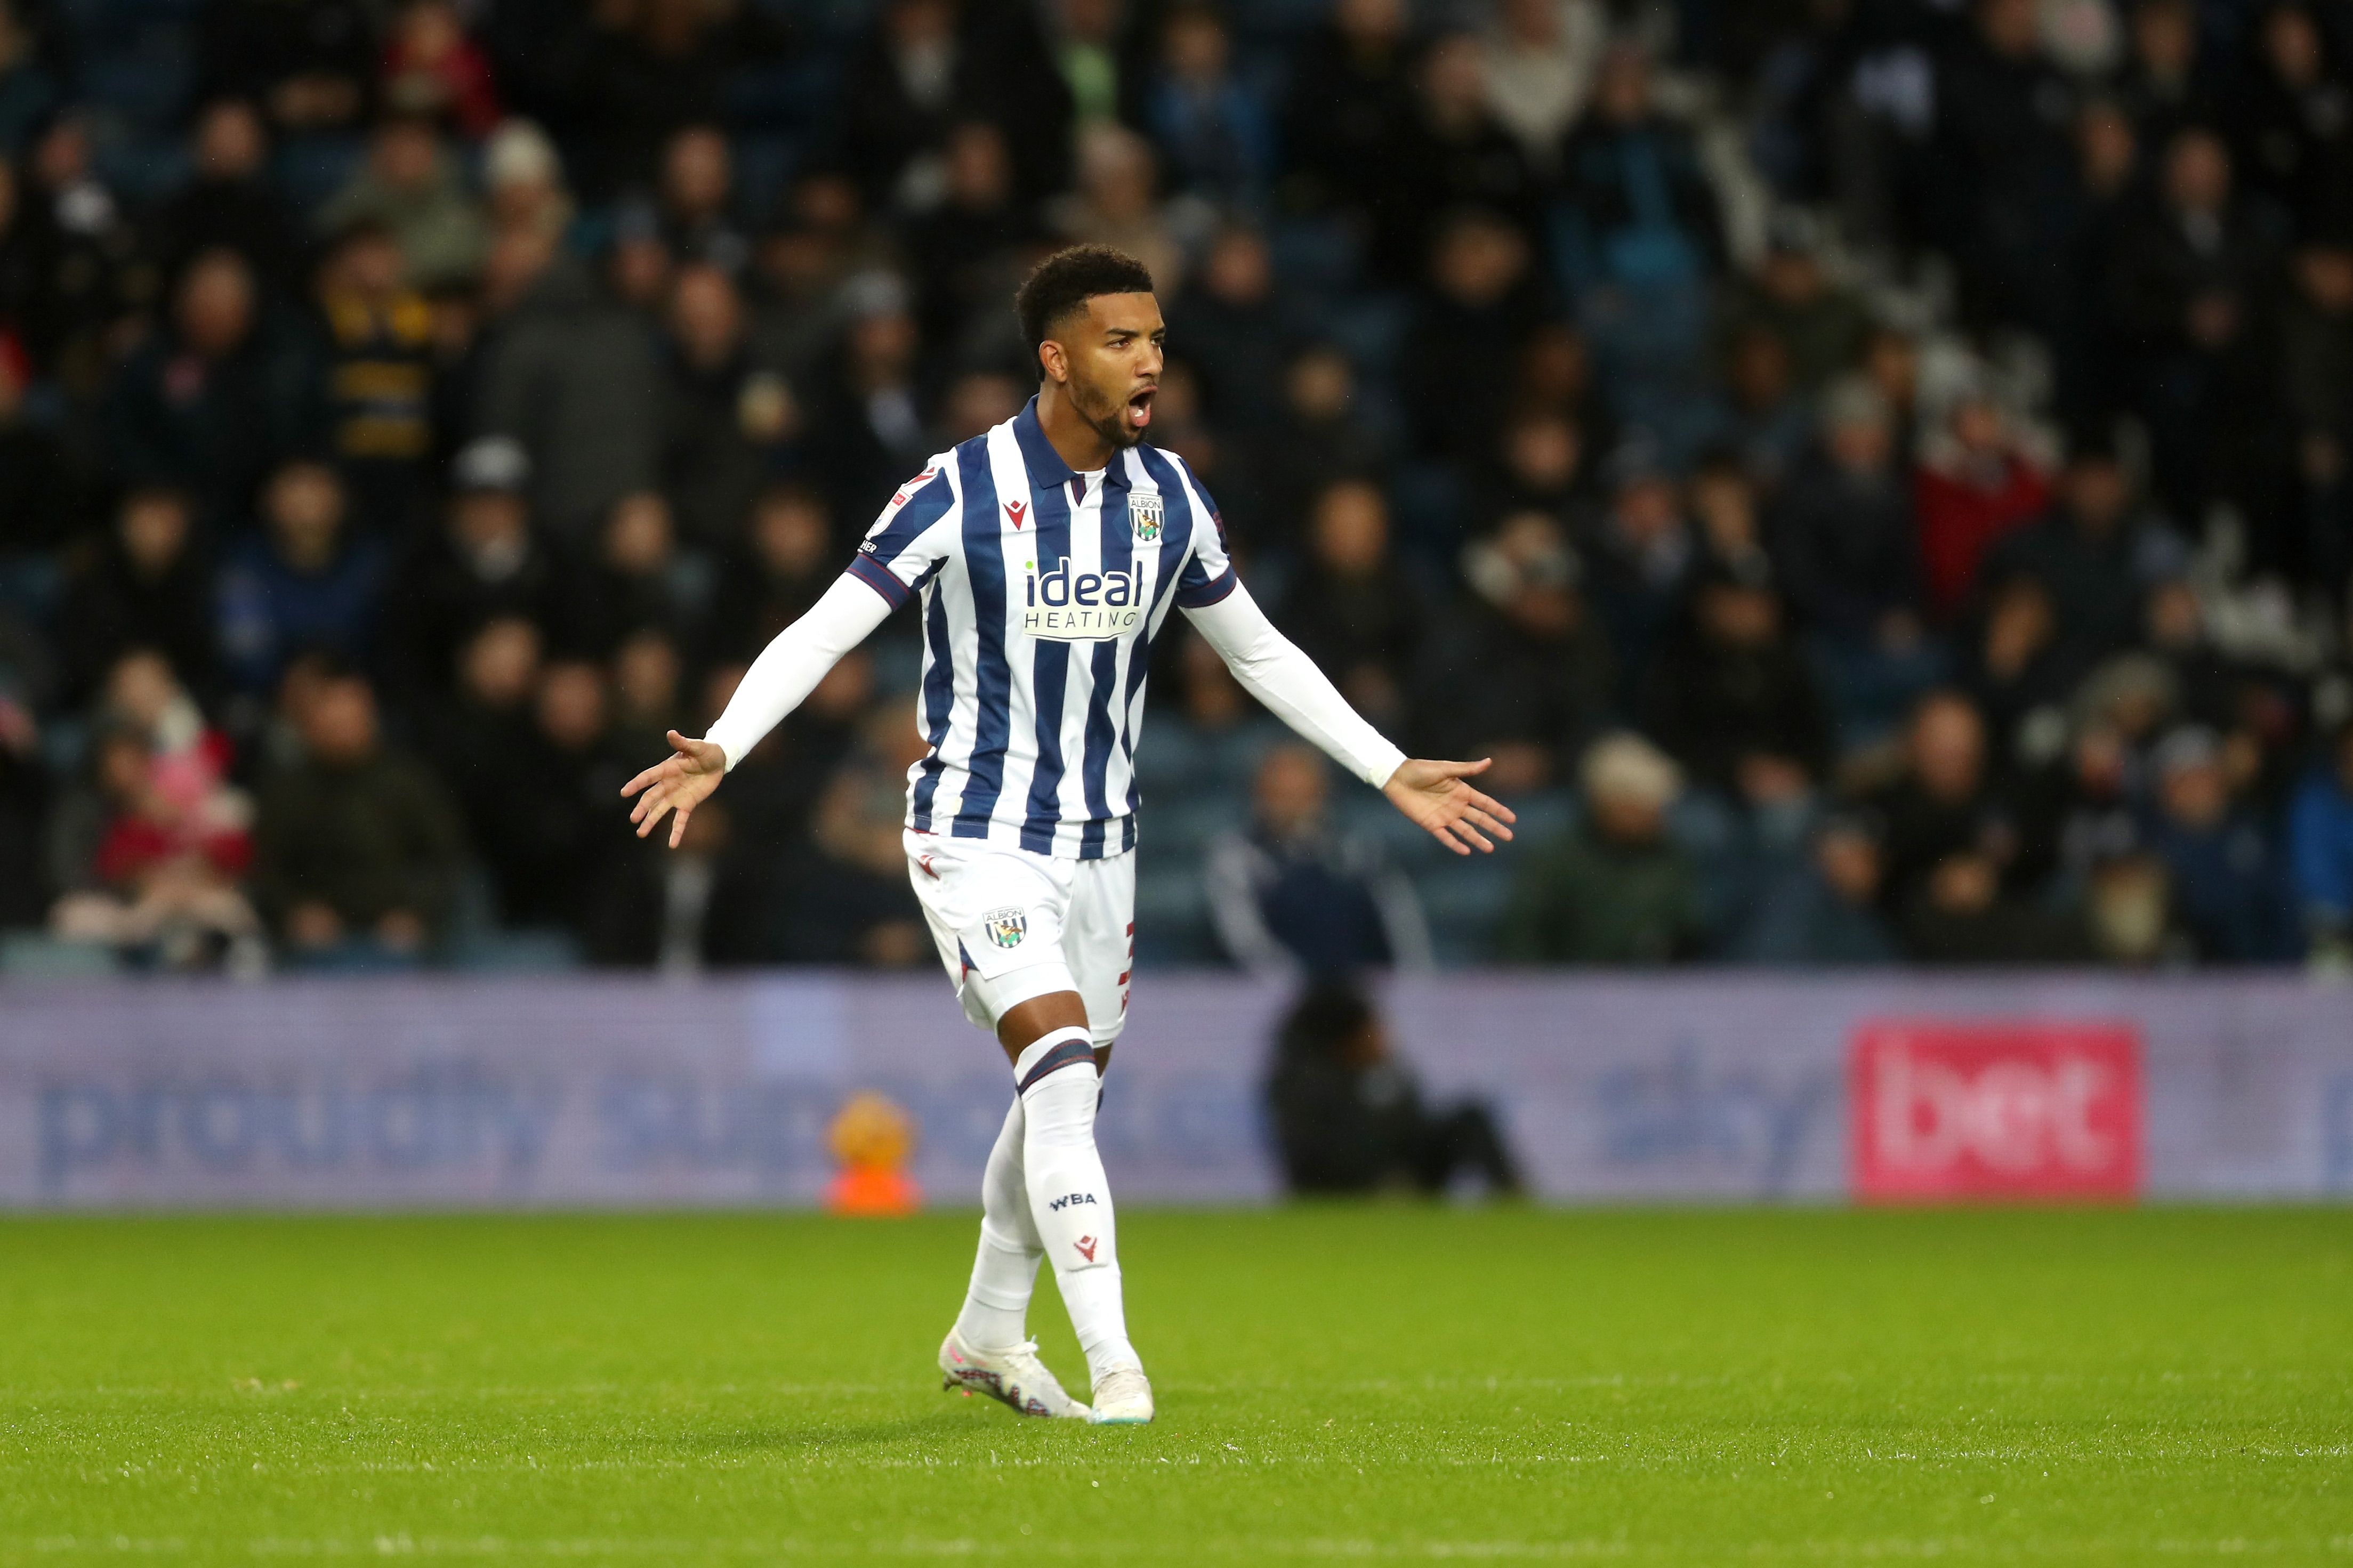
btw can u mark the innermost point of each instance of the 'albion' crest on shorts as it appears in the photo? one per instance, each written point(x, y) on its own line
point(1144, 510)
point(1005, 927)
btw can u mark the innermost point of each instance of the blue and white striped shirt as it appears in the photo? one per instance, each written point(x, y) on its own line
point(1042, 589)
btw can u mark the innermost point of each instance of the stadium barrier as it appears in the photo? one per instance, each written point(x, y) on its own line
point(620, 1092)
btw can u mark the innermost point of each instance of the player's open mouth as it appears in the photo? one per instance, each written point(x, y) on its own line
point(1139, 406)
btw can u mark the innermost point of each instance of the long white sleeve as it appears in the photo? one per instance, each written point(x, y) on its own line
point(1273, 670)
point(789, 667)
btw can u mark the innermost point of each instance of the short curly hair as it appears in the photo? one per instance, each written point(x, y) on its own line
point(1061, 285)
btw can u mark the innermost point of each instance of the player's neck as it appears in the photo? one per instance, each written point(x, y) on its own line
point(1074, 440)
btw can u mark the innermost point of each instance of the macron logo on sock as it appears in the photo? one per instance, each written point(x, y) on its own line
point(1086, 1244)
point(1072, 1200)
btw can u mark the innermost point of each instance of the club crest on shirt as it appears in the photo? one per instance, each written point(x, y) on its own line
point(1144, 511)
point(1006, 927)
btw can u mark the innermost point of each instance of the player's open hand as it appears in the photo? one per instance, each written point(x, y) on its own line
point(678, 784)
point(1434, 796)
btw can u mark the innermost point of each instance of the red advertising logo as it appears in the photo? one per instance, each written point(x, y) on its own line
point(1945, 1111)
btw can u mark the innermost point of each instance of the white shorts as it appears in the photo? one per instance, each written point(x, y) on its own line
point(1012, 926)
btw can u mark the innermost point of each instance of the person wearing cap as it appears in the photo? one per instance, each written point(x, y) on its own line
point(484, 563)
point(2230, 893)
point(1615, 888)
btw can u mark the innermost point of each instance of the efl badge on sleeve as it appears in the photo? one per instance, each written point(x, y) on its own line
point(1144, 510)
point(1005, 927)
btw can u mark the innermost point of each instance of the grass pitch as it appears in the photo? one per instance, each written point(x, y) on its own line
point(2068, 1387)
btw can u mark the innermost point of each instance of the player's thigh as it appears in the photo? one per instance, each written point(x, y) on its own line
point(996, 917)
point(1099, 941)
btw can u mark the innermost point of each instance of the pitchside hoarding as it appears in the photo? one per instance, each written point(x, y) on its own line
point(598, 1092)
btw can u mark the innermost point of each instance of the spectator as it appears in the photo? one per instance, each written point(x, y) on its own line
point(2321, 847)
point(1822, 326)
point(1214, 735)
point(1320, 436)
point(304, 584)
point(1088, 48)
point(1731, 698)
point(379, 375)
point(661, 69)
point(867, 432)
point(1541, 58)
point(1475, 311)
point(1451, 155)
point(1943, 805)
point(1349, 1116)
point(209, 404)
point(565, 844)
point(1352, 609)
point(1975, 483)
point(2097, 555)
point(2012, 666)
point(523, 181)
point(1642, 561)
point(431, 68)
point(26, 91)
point(1212, 126)
point(1615, 888)
point(574, 380)
point(147, 587)
point(785, 563)
point(927, 65)
point(1824, 911)
point(410, 186)
point(2290, 134)
point(729, 415)
point(229, 204)
point(1960, 916)
point(479, 742)
point(88, 283)
point(37, 489)
point(1638, 242)
point(638, 579)
point(2227, 883)
point(1842, 534)
point(2004, 114)
point(2160, 86)
point(1350, 96)
point(484, 563)
point(1114, 203)
point(697, 195)
point(2188, 286)
point(2316, 359)
point(309, 65)
point(358, 846)
point(1294, 896)
point(1767, 423)
point(24, 807)
point(869, 914)
point(1235, 333)
point(1539, 466)
point(967, 252)
point(1519, 671)
point(137, 873)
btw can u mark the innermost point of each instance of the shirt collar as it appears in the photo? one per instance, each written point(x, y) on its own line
point(1047, 470)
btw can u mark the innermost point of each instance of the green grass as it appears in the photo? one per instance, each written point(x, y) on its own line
point(2067, 1387)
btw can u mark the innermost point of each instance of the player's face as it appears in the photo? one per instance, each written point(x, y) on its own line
point(1114, 356)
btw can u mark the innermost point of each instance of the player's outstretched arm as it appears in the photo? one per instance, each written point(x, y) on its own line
point(1437, 800)
point(679, 783)
point(1272, 669)
point(787, 670)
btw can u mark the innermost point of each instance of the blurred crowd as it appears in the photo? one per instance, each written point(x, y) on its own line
point(1876, 475)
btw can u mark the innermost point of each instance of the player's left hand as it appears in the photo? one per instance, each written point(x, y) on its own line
point(1434, 796)
point(681, 784)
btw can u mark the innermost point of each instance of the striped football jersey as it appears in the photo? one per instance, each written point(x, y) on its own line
point(1042, 589)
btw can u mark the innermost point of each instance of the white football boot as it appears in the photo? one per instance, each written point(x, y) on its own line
point(1015, 1378)
point(1123, 1398)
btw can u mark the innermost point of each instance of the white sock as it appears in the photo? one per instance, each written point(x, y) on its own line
point(997, 1307)
point(1069, 1199)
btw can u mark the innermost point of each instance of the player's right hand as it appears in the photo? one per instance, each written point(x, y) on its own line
point(679, 783)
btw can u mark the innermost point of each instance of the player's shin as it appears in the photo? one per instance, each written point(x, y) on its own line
point(997, 1305)
point(1069, 1199)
